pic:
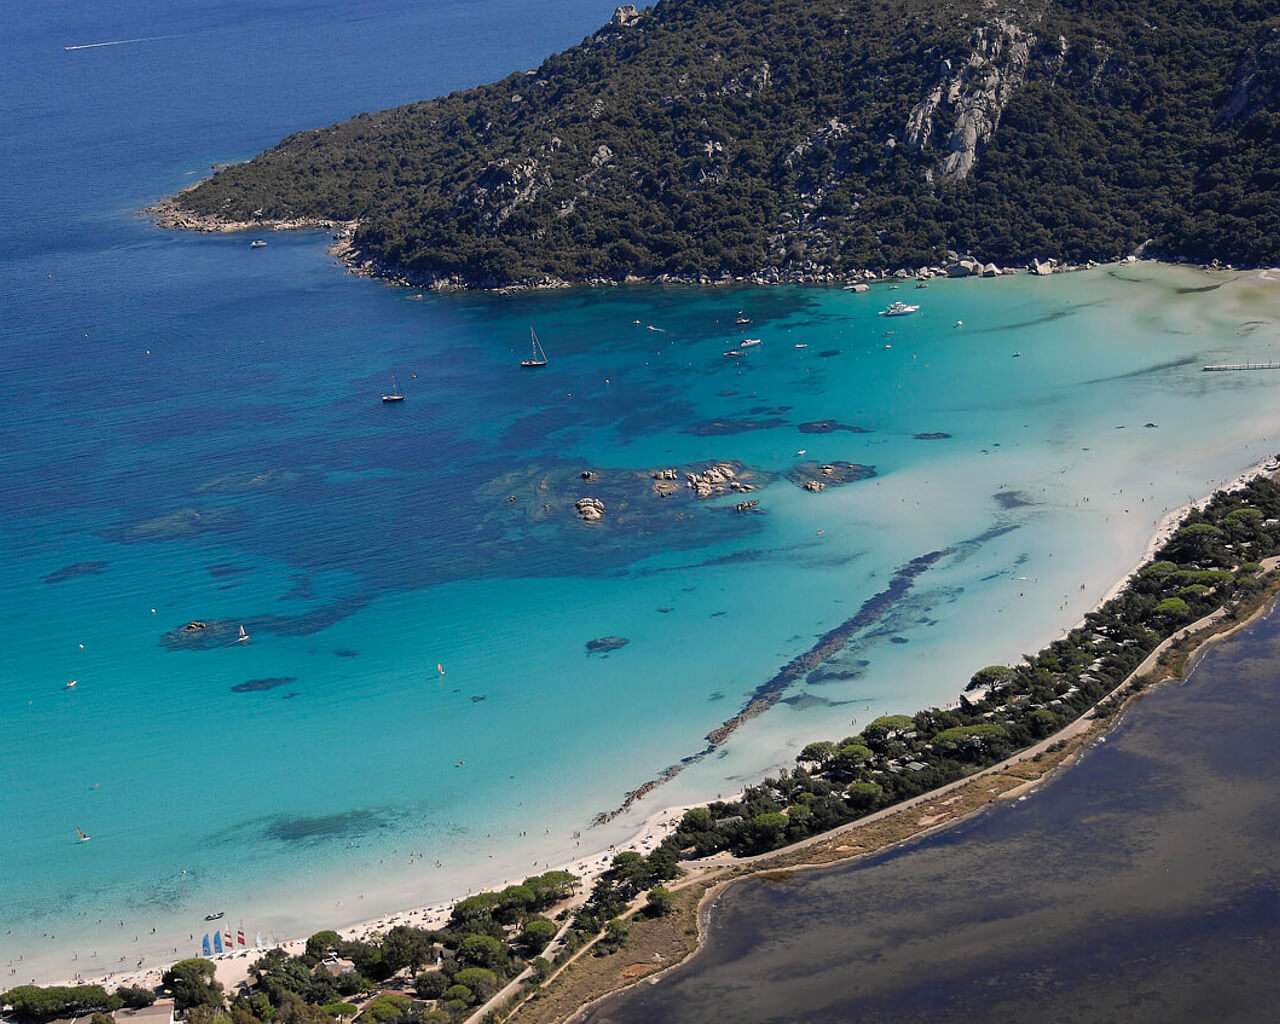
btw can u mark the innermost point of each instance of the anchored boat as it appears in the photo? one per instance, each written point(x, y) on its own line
point(536, 356)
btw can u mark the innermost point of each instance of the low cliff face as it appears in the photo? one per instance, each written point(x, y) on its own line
point(1256, 88)
point(976, 93)
point(788, 138)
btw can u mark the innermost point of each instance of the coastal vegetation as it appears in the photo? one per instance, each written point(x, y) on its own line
point(32, 1004)
point(1212, 561)
point(799, 139)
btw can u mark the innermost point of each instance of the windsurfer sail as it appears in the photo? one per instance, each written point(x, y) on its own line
point(243, 637)
point(80, 832)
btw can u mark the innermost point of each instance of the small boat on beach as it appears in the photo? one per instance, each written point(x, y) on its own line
point(243, 637)
point(257, 243)
point(536, 356)
point(214, 917)
point(394, 394)
point(80, 832)
point(899, 309)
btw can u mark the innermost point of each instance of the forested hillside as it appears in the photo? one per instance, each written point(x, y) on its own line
point(780, 138)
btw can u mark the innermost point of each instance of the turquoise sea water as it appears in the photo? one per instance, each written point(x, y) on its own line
point(191, 430)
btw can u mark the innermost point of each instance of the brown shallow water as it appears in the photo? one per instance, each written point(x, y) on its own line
point(1142, 885)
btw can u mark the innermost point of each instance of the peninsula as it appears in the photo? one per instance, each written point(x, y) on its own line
point(805, 140)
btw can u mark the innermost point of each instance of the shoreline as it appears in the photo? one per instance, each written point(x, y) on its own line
point(1169, 523)
point(232, 965)
point(721, 872)
point(167, 213)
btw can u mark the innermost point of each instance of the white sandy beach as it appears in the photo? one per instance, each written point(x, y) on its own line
point(233, 964)
point(1168, 524)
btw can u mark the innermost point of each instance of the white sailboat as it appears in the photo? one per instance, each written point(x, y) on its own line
point(394, 395)
point(536, 356)
point(243, 637)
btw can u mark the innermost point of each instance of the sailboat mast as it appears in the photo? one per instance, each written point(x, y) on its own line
point(536, 356)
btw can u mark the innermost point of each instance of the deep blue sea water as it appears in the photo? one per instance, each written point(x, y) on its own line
point(191, 430)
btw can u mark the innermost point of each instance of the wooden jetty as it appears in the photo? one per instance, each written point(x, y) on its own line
point(1242, 366)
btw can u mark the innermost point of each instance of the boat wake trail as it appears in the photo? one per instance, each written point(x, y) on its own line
point(116, 42)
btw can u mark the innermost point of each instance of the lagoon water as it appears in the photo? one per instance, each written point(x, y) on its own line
point(1138, 886)
point(191, 429)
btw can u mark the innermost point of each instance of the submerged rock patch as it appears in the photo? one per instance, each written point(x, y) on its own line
point(719, 428)
point(224, 569)
point(605, 644)
point(68, 572)
point(298, 829)
point(829, 426)
point(269, 683)
point(818, 476)
point(180, 524)
point(1012, 499)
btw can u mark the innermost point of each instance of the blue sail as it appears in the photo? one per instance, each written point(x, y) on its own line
point(204, 948)
point(217, 942)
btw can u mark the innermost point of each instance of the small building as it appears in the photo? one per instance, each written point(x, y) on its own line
point(336, 966)
point(159, 1012)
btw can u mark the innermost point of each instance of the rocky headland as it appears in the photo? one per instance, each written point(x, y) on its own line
point(802, 141)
